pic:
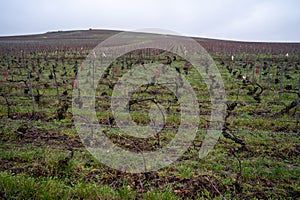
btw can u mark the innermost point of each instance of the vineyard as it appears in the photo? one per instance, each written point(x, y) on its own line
point(42, 156)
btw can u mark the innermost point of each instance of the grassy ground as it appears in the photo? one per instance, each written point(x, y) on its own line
point(33, 148)
point(30, 168)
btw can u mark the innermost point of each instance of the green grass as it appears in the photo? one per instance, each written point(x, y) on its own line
point(30, 159)
point(271, 160)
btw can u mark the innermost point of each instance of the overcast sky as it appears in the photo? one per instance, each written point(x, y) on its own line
point(248, 20)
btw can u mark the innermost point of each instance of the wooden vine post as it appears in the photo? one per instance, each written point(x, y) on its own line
point(31, 93)
point(93, 74)
point(281, 80)
point(246, 69)
point(8, 104)
point(269, 76)
point(299, 89)
point(260, 72)
point(56, 85)
point(253, 71)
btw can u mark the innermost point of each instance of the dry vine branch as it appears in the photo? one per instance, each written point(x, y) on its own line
point(237, 184)
point(136, 147)
point(292, 105)
point(8, 104)
point(135, 101)
point(3, 191)
point(216, 189)
point(226, 130)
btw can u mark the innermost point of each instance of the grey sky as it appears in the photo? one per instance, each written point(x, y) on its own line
point(249, 20)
